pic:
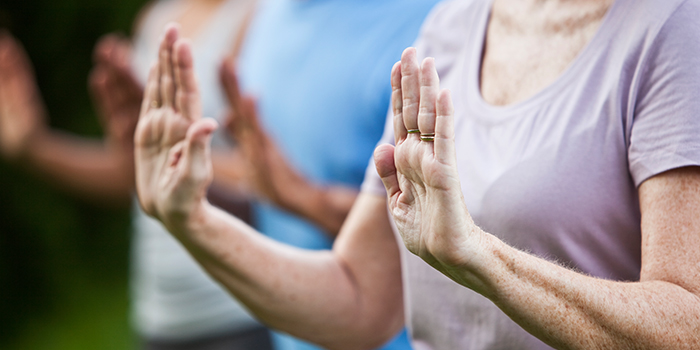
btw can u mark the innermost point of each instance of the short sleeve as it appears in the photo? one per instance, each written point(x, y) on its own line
point(665, 133)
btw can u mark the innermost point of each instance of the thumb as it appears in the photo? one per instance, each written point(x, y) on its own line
point(386, 168)
point(197, 150)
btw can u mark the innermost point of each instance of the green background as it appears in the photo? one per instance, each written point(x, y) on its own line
point(63, 261)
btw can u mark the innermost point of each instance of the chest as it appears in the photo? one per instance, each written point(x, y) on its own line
point(525, 52)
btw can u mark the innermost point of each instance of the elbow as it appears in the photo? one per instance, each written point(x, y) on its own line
point(376, 331)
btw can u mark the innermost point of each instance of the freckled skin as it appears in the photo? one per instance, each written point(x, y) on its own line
point(351, 297)
point(530, 43)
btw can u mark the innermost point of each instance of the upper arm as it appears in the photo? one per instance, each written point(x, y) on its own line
point(670, 207)
point(664, 152)
point(368, 249)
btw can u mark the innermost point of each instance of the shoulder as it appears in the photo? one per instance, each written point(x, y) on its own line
point(652, 17)
point(670, 35)
point(682, 21)
point(665, 125)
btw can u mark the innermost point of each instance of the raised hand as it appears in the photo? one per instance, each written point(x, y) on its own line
point(116, 91)
point(420, 172)
point(269, 173)
point(172, 151)
point(22, 112)
point(271, 176)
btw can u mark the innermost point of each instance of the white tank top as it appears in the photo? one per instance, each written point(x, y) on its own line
point(172, 297)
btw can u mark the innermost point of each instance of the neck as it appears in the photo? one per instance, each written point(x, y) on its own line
point(549, 16)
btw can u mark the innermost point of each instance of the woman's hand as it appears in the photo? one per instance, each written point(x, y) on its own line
point(270, 175)
point(172, 151)
point(22, 114)
point(116, 92)
point(420, 172)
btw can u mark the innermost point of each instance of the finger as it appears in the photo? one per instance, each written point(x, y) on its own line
point(410, 88)
point(236, 124)
point(119, 63)
point(120, 67)
point(229, 80)
point(103, 48)
point(13, 57)
point(21, 93)
point(187, 97)
point(386, 168)
point(397, 103)
point(444, 129)
point(119, 94)
point(121, 54)
point(197, 151)
point(165, 58)
point(150, 95)
point(429, 89)
point(229, 124)
point(249, 111)
point(247, 126)
point(5, 43)
point(97, 82)
point(15, 67)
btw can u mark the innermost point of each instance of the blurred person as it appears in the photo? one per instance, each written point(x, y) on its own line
point(175, 304)
point(573, 138)
point(308, 68)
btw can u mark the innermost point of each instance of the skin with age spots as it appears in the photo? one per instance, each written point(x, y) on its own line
point(530, 43)
point(356, 299)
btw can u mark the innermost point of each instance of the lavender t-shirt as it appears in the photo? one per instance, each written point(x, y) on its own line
point(557, 174)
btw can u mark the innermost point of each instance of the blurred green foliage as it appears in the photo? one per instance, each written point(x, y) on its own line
point(63, 262)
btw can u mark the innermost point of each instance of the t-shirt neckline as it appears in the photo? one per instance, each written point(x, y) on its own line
point(494, 114)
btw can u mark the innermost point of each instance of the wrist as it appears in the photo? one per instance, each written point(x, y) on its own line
point(474, 261)
point(183, 223)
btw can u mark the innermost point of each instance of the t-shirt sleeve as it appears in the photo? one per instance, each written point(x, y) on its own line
point(665, 132)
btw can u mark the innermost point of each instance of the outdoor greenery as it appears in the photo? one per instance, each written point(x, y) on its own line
point(63, 261)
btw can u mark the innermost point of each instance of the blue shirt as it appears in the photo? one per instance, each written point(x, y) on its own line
point(321, 72)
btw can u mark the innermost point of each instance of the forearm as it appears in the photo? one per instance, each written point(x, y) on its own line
point(569, 310)
point(86, 168)
point(315, 295)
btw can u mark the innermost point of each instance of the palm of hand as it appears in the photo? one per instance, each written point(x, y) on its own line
point(173, 162)
point(160, 139)
point(420, 172)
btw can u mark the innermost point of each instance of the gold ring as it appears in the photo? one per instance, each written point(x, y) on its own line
point(413, 131)
point(429, 137)
point(154, 104)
